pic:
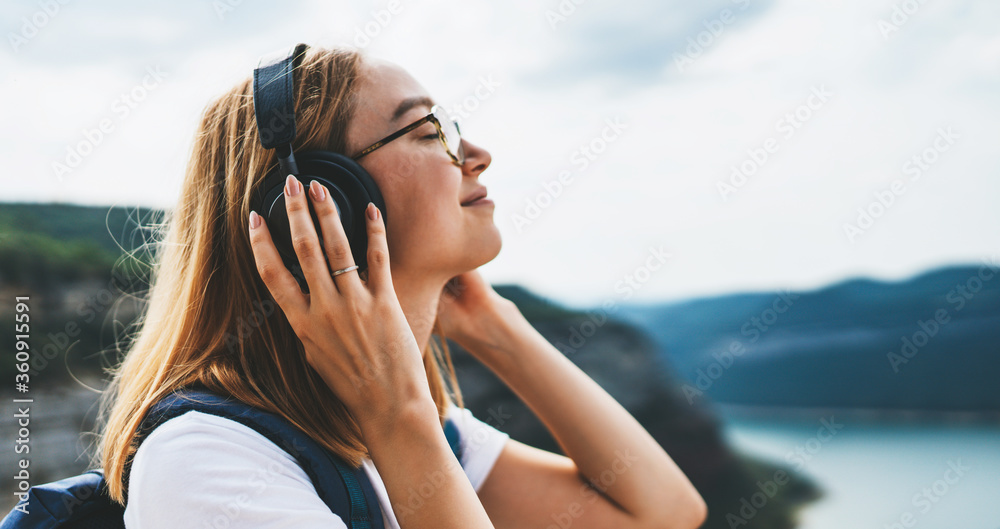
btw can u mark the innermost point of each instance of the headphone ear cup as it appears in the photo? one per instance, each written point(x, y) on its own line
point(350, 188)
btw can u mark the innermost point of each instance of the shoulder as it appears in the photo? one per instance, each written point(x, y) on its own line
point(481, 440)
point(195, 429)
point(199, 466)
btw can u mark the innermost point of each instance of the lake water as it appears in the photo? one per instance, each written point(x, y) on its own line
point(882, 474)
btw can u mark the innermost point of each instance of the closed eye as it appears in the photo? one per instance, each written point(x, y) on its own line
point(430, 136)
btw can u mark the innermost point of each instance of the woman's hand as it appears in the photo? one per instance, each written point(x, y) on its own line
point(354, 332)
point(472, 314)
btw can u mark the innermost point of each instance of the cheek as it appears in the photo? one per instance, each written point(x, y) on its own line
point(433, 212)
point(422, 207)
point(423, 200)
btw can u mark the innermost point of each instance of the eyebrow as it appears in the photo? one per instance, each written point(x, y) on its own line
point(409, 103)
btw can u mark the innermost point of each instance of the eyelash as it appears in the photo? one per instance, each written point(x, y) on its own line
point(430, 136)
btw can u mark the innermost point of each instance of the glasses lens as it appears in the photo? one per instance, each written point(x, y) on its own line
point(452, 136)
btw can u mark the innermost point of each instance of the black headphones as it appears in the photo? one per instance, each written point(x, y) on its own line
point(351, 187)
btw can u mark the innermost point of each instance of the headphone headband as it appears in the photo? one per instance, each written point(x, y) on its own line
point(274, 102)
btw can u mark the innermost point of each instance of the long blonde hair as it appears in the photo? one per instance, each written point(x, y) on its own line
point(207, 317)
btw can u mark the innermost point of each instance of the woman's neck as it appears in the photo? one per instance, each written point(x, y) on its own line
point(419, 301)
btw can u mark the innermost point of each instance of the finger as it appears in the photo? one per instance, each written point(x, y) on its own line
point(338, 248)
point(278, 279)
point(305, 241)
point(379, 277)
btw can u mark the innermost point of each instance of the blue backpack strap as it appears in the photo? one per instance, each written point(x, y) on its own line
point(62, 503)
point(454, 439)
point(346, 491)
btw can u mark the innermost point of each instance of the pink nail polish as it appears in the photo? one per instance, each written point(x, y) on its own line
point(317, 191)
point(292, 186)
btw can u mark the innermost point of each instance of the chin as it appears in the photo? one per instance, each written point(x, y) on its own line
point(476, 254)
point(490, 245)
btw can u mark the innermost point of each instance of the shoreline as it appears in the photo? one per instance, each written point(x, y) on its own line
point(728, 411)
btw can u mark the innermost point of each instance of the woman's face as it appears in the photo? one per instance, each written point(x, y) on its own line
point(430, 234)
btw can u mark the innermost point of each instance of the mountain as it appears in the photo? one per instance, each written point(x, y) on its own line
point(930, 343)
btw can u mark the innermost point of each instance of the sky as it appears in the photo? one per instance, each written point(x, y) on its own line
point(642, 150)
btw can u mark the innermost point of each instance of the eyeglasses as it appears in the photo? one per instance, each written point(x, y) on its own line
point(447, 131)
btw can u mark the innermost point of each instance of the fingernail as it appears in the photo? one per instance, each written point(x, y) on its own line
point(292, 186)
point(317, 191)
point(372, 211)
point(254, 219)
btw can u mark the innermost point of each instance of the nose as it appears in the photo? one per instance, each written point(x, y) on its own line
point(477, 159)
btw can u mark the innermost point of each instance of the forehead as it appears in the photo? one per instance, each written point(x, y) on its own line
point(384, 86)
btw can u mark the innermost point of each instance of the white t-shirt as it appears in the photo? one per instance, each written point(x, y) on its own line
point(203, 471)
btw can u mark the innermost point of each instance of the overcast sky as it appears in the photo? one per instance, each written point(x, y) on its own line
point(699, 147)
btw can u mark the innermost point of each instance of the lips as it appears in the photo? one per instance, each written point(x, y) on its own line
point(476, 195)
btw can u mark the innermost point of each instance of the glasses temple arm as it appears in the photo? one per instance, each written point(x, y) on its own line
point(393, 136)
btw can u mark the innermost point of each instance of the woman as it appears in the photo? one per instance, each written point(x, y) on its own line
point(353, 362)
